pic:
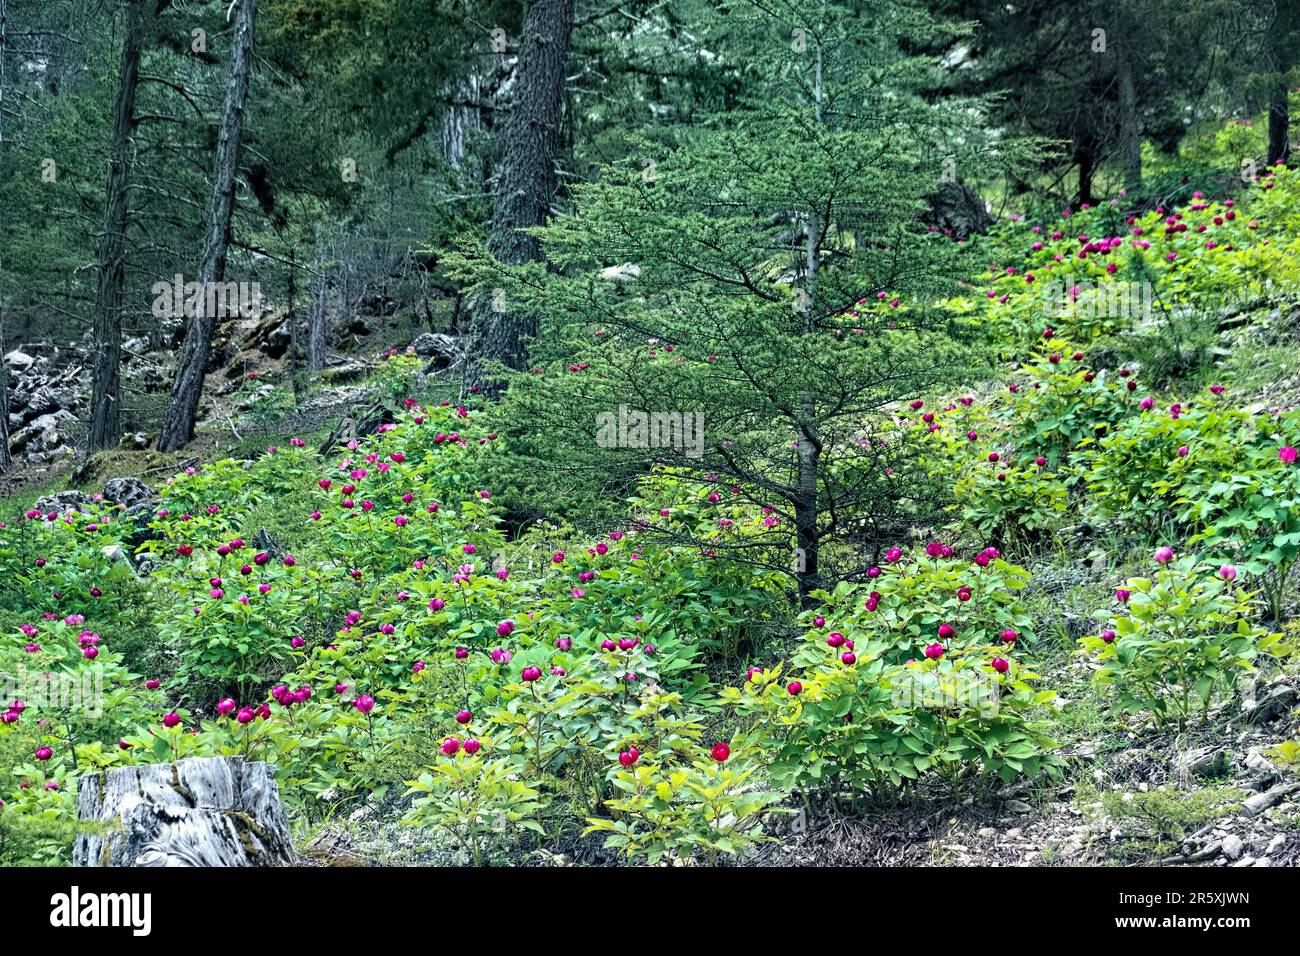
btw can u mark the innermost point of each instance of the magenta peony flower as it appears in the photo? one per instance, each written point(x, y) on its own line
point(1287, 454)
point(794, 688)
point(1228, 572)
point(1000, 665)
point(934, 651)
point(365, 703)
point(172, 719)
point(225, 706)
point(1164, 555)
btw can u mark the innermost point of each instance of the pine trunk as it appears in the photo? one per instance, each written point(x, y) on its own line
point(527, 182)
point(1130, 127)
point(187, 390)
point(317, 325)
point(5, 459)
point(201, 811)
point(808, 442)
point(106, 323)
point(1279, 126)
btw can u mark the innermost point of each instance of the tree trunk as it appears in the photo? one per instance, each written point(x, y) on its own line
point(1130, 126)
point(1279, 123)
point(178, 424)
point(317, 327)
point(106, 323)
point(808, 441)
point(1284, 43)
point(5, 459)
point(201, 811)
point(1083, 156)
point(527, 182)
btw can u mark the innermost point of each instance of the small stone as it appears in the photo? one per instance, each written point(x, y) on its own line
point(1232, 846)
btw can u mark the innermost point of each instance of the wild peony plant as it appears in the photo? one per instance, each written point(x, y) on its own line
point(875, 698)
point(1177, 643)
point(1155, 460)
point(712, 803)
point(1251, 514)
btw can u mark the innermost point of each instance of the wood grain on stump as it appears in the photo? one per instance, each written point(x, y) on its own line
point(201, 811)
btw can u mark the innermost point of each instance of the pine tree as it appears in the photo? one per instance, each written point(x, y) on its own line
point(772, 276)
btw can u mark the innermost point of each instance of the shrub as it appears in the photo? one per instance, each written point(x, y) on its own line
point(870, 702)
point(1178, 643)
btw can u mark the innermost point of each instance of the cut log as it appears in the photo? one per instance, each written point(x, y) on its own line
point(201, 811)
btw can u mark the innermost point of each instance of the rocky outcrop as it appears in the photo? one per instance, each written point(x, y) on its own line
point(46, 397)
point(127, 492)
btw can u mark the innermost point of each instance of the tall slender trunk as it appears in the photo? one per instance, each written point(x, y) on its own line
point(178, 424)
point(1130, 125)
point(808, 441)
point(1285, 38)
point(527, 181)
point(5, 459)
point(1083, 156)
point(106, 322)
point(317, 327)
point(1279, 125)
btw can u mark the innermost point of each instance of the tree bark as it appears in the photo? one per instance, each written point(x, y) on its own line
point(527, 182)
point(317, 325)
point(5, 459)
point(106, 322)
point(201, 811)
point(808, 442)
point(187, 390)
point(1279, 126)
point(1130, 126)
point(1083, 156)
point(1285, 40)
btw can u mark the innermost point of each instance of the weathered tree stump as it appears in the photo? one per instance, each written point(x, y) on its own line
point(201, 811)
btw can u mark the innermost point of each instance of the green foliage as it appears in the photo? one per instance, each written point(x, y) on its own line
point(1186, 641)
point(885, 694)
